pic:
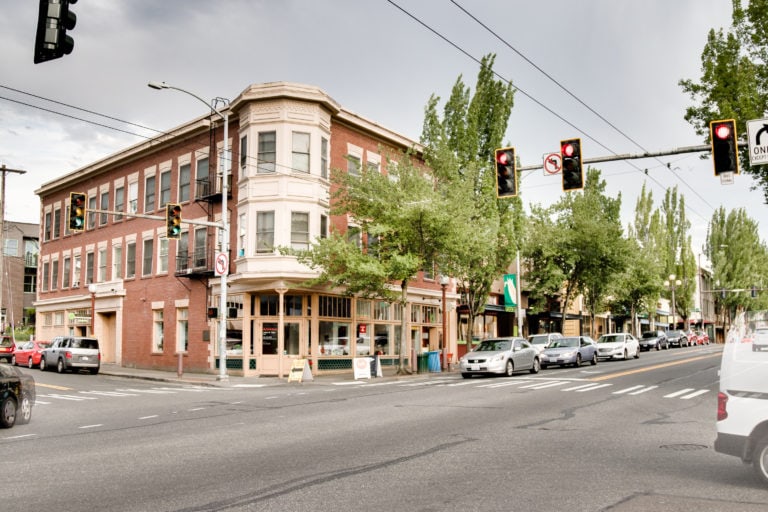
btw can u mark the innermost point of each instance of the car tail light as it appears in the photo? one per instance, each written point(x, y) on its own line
point(722, 403)
point(68, 355)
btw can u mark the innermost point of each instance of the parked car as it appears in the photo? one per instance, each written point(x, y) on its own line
point(500, 356)
point(7, 346)
point(619, 345)
point(570, 350)
point(742, 410)
point(692, 337)
point(655, 340)
point(17, 396)
point(702, 338)
point(677, 338)
point(760, 339)
point(542, 341)
point(29, 353)
point(72, 353)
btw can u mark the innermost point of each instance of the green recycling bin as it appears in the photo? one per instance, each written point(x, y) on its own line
point(422, 361)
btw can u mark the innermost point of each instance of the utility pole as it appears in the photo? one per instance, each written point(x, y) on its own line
point(3, 170)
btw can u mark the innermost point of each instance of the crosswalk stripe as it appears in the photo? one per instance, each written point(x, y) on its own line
point(678, 393)
point(692, 395)
point(108, 393)
point(593, 388)
point(649, 388)
point(545, 385)
point(627, 390)
point(585, 387)
point(69, 397)
point(504, 384)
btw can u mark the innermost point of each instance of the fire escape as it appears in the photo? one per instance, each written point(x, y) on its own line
point(198, 260)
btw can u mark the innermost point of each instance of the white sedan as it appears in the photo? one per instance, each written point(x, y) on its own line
point(620, 345)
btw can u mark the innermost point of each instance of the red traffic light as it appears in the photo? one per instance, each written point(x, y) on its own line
point(723, 131)
point(503, 157)
point(568, 149)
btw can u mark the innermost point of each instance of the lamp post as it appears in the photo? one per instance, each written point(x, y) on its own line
point(673, 283)
point(444, 349)
point(92, 289)
point(224, 227)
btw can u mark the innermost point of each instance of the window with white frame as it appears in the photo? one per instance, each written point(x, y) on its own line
point(165, 188)
point(67, 271)
point(201, 240)
point(201, 171)
point(243, 155)
point(117, 262)
point(300, 152)
point(373, 162)
point(104, 217)
point(300, 230)
point(130, 260)
point(102, 264)
point(119, 203)
point(157, 330)
point(323, 157)
point(353, 165)
point(46, 276)
point(182, 329)
point(133, 197)
point(323, 226)
point(149, 194)
point(162, 256)
point(147, 255)
point(56, 223)
point(89, 264)
point(54, 274)
point(11, 247)
point(91, 212)
point(185, 174)
point(241, 239)
point(265, 232)
point(78, 272)
point(267, 152)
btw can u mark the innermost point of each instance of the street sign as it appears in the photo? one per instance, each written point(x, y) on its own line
point(222, 264)
point(757, 131)
point(553, 163)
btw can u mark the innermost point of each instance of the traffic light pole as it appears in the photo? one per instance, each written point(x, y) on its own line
point(627, 156)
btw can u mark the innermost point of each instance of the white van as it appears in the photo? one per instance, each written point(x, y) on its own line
point(742, 403)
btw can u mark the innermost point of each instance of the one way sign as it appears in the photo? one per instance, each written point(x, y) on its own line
point(757, 131)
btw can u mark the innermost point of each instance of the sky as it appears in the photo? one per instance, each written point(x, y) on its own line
point(381, 59)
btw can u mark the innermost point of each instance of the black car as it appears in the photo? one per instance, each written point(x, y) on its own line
point(677, 338)
point(17, 396)
point(654, 340)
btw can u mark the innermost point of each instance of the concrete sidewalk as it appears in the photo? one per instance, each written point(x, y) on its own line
point(212, 379)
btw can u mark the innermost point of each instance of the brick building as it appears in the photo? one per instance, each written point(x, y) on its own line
point(149, 298)
point(18, 274)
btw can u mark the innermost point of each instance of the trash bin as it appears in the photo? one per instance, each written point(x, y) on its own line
point(422, 364)
point(433, 361)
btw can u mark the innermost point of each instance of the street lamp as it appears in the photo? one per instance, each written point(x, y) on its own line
point(444, 280)
point(224, 226)
point(673, 283)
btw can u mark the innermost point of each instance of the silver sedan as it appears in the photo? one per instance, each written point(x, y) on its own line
point(503, 356)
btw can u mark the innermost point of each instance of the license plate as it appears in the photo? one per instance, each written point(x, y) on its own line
point(474, 368)
point(85, 358)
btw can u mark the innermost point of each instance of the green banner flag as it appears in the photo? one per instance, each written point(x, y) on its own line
point(510, 292)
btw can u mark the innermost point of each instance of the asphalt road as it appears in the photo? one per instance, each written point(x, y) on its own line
point(620, 436)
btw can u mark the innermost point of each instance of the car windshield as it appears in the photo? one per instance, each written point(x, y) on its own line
point(493, 346)
point(6, 342)
point(650, 334)
point(564, 342)
point(539, 339)
point(611, 338)
point(85, 343)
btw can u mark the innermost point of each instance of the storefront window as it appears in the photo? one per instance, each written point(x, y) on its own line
point(381, 339)
point(363, 340)
point(334, 338)
point(291, 334)
point(269, 338)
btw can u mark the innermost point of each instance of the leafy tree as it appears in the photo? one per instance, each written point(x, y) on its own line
point(459, 148)
point(678, 256)
point(734, 80)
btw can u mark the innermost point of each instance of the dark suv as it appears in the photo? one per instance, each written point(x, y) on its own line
point(72, 353)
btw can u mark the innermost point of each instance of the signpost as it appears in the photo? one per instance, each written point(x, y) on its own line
point(757, 132)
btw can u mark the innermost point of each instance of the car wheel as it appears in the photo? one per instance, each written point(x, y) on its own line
point(626, 354)
point(43, 366)
point(7, 412)
point(94, 371)
point(543, 367)
point(60, 366)
point(13, 360)
point(594, 359)
point(578, 361)
point(510, 368)
point(637, 353)
point(760, 459)
point(658, 346)
point(30, 364)
point(25, 410)
point(536, 365)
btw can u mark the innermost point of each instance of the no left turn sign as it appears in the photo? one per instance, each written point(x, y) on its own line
point(553, 163)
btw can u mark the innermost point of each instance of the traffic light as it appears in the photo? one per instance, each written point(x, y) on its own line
point(573, 173)
point(53, 20)
point(725, 148)
point(506, 173)
point(173, 221)
point(77, 202)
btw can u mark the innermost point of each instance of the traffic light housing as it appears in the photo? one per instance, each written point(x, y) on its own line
point(573, 172)
point(173, 221)
point(506, 173)
point(53, 20)
point(725, 147)
point(77, 202)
